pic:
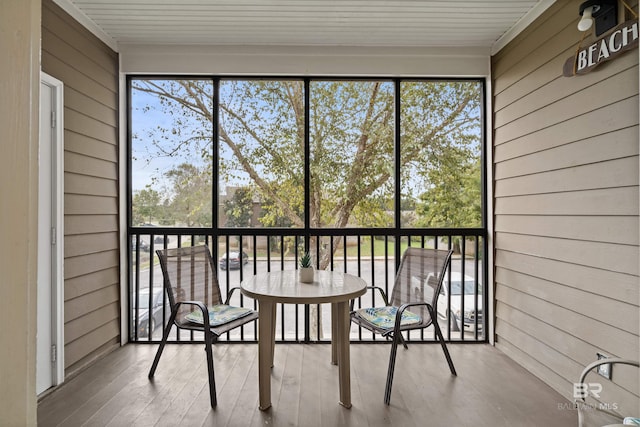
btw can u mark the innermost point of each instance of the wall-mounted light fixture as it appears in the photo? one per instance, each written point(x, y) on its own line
point(604, 12)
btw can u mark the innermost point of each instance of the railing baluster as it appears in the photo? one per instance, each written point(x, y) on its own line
point(328, 246)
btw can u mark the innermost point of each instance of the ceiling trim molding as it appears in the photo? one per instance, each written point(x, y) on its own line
point(523, 23)
point(304, 61)
point(86, 22)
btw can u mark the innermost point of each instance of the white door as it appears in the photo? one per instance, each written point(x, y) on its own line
point(49, 368)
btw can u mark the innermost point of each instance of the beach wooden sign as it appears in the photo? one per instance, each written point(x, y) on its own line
point(620, 39)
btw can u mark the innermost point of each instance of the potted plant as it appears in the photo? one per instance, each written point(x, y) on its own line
point(306, 268)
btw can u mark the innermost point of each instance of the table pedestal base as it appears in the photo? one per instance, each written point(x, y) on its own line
point(334, 288)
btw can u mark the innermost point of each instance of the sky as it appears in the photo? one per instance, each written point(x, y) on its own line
point(147, 163)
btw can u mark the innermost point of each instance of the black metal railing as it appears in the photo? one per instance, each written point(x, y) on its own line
point(373, 254)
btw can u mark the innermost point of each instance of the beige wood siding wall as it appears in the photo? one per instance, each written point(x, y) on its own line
point(89, 70)
point(566, 206)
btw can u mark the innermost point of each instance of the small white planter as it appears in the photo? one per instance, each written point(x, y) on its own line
point(306, 274)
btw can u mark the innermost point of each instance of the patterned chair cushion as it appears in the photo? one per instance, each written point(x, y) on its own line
point(385, 317)
point(219, 314)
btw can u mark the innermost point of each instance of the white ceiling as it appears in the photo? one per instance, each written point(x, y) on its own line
point(413, 23)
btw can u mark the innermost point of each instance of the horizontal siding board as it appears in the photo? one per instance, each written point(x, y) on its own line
point(624, 316)
point(579, 350)
point(566, 205)
point(527, 53)
point(562, 366)
point(76, 204)
point(68, 54)
point(81, 224)
point(617, 88)
point(82, 326)
point(86, 361)
point(576, 349)
point(79, 307)
point(79, 81)
point(535, 71)
point(628, 377)
point(542, 60)
point(619, 144)
point(615, 341)
point(88, 346)
point(619, 115)
point(557, 382)
point(91, 107)
point(83, 244)
point(533, 40)
point(87, 264)
point(607, 256)
point(59, 22)
point(545, 355)
point(90, 166)
point(91, 282)
point(608, 229)
point(627, 402)
point(553, 86)
point(90, 185)
point(83, 144)
point(89, 71)
point(85, 125)
point(609, 174)
point(610, 201)
point(622, 390)
point(616, 285)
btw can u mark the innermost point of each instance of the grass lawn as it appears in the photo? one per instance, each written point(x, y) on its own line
point(352, 250)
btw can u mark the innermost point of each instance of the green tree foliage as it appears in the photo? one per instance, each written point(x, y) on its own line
point(351, 152)
point(351, 148)
point(453, 199)
point(191, 195)
point(239, 209)
point(146, 206)
point(262, 143)
point(440, 149)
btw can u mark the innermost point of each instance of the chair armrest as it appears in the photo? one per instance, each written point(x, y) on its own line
point(606, 361)
point(382, 292)
point(231, 291)
point(580, 400)
point(403, 307)
point(201, 306)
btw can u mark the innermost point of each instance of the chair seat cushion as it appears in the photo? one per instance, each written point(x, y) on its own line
point(219, 314)
point(385, 317)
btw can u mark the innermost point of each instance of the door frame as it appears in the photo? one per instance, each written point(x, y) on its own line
point(57, 213)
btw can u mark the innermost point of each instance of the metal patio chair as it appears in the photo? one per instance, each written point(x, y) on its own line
point(191, 283)
point(596, 404)
point(413, 303)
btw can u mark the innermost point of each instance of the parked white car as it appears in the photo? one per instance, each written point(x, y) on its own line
point(454, 314)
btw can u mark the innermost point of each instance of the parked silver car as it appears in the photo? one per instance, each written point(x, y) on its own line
point(143, 311)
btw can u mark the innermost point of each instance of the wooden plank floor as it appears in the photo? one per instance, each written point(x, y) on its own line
point(490, 390)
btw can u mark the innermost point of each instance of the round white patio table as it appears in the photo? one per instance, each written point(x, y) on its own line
point(275, 287)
